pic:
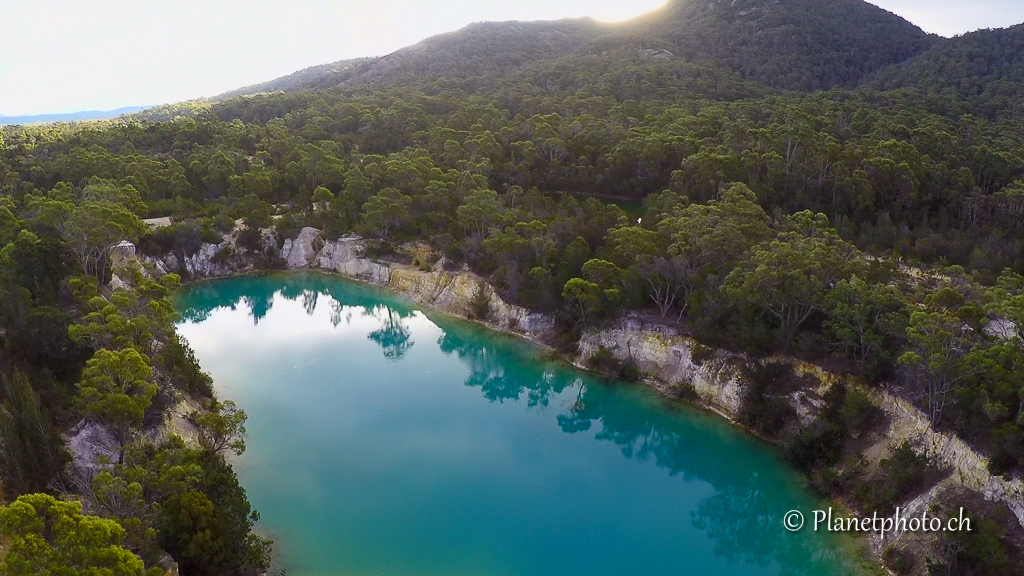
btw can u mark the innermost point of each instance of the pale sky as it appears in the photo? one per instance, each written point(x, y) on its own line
point(71, 55)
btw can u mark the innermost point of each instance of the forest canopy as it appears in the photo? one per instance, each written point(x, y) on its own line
point(851, 197)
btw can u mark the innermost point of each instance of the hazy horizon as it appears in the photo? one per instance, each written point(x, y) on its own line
point(107, 55)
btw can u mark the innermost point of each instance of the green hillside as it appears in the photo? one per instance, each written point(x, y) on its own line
point(985, 69)
point(800, 45)
point(793, 44)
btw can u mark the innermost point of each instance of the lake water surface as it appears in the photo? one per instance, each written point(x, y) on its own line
point(386, 441)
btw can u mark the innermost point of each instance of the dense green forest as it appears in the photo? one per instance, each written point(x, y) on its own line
point(985, 69)
point(878, 233)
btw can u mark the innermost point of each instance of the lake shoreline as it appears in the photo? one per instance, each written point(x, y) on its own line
point(858, 546)
point(663, 355)
point(671, 408)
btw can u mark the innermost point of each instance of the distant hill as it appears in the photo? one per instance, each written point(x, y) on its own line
point(983, 68)
point(330, 74)
point(70, 116)
point(800, 45)
point(477, 50)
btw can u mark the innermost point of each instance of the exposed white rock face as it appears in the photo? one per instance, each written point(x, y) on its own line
point(453, 293)
point(661, 352)
point(444, 291)
point(170, 263)
point(93, 448)
point(201, 263)
point(117, 282)
point(122, 252)
point(269, 240)
point(345, 256)
point(518, 319)
point(301, 252)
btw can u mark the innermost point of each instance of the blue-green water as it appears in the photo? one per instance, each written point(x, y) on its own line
point(386, 441)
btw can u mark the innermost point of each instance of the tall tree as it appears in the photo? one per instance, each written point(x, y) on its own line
point(116, 389)
point(789, 278)
point(936, 364)
point(93, 229)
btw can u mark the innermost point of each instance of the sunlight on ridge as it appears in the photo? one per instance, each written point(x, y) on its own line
point(626, 10)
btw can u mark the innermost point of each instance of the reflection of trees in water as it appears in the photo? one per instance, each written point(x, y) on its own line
point(393, 335)
point(309, 298)
point(340, 313)
point(745, 522)
point(501, 374)
point(743, 516)
point(258, 292)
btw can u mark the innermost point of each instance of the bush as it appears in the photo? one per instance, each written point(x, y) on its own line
point(764, 409)
point(210, 236)
point(901, 475)
point(906, 470)
point(379, 249)
point(821, 443)
point(898, 560)
point(859, 413)
point(179, 363)
point(986, 549)
point(250, 238)
point(184, 238)
point(223, 255)
point(604, 361)
point(480, 305)
point(700, 353)
point(287, 226)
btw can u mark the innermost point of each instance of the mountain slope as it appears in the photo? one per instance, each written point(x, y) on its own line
point(793, 44)
point(801, 45)
point(984, 68)
point(479, 49)
point(332, 73)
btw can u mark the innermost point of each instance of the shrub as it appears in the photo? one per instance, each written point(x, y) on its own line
point(223, 255)
point(764, 409)
point(905, 470)
point(179, 363)
point(901, 475)
point(249, 238)
point(821, 443)
point(859, 413)
point(700, 353)
point(987, 548)
point(211, 236)
point(898, 560)
point(603, 360)
point(379, 249)
point(480, 305)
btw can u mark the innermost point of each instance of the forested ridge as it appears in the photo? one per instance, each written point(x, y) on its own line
point(984, 68)
point(590, 174)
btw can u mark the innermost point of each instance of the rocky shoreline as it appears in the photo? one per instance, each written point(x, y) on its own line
point(666, 358)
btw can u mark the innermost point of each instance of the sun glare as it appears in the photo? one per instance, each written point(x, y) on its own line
point(626, 10)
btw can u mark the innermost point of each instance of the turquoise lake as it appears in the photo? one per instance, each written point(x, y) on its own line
point(387, 440)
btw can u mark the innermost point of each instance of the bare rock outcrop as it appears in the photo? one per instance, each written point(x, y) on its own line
point(301, 251)
point(448, 292)
point(672, 359)
point(93, 448)
point(346, 256)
